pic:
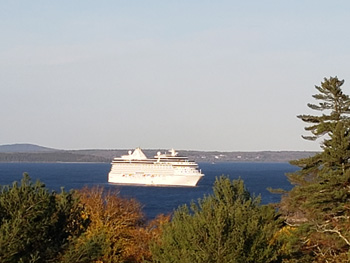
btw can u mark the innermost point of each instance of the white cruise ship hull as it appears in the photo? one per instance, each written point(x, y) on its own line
point(154, 180)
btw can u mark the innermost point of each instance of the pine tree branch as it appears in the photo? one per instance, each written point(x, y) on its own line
point(321, 229)
point(321, 253)
point(309, 138)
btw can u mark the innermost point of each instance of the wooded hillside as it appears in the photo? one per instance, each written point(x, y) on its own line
point(34, 153)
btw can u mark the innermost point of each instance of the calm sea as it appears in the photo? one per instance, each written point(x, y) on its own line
point(155, 200)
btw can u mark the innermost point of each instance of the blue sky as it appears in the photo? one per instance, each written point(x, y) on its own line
point(201, 75)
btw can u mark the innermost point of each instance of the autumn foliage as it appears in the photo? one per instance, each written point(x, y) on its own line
point(119, 224)
point(90, 225)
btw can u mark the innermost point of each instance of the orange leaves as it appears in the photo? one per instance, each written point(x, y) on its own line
point(121, 223)
point(108, 209)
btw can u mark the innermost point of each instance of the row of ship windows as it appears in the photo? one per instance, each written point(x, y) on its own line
point(158, 170)
point(157, 167)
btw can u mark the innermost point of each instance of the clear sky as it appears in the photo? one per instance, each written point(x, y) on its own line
point(201, 75)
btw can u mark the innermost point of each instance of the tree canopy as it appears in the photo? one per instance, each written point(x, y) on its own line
point(36, 225)
point(84, 226)
point(227, 226)
point(318, 204)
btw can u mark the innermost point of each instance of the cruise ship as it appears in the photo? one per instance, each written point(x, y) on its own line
point(168, 169)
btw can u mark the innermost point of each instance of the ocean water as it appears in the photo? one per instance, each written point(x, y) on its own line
point(155, 200)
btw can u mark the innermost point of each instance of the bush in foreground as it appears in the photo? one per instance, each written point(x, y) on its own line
point(84, 226)
point(92, 225)
point(228, 226)
point(114, 222)
point(37, 225)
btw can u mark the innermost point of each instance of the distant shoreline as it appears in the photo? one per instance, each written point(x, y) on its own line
point(36, 154)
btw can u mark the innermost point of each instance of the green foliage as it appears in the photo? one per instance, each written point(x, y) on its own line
point(333, 100)
point(81, 227)
point(84, 249)
point(333, 125)
point(227, 226)
point(36, 225)
point(318, 204)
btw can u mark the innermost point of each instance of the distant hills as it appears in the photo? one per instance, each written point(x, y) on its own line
point(36, 153)
point(24, 148)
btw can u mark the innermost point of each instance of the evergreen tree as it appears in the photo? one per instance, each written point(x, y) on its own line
point(227, 226)
point(333, 125)
point(318, 204)
point(36, 225)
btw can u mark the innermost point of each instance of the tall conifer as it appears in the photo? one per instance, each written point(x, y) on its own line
point(317, 204)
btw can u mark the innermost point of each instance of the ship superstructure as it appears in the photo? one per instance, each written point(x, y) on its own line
point(162, 170)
